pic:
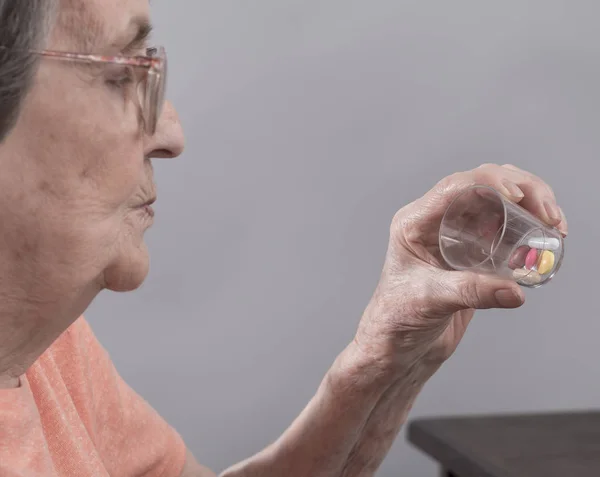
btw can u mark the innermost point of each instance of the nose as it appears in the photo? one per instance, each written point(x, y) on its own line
point(168, 141)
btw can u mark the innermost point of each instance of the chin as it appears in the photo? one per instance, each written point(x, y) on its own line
point(128, 272)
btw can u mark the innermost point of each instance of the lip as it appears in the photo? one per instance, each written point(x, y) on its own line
point(146, 207)
point(148, 210)
point(148, 203)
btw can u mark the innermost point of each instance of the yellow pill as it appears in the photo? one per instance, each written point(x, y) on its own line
point(546, 262)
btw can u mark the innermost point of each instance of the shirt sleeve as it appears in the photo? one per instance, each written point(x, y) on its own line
point(131, 437)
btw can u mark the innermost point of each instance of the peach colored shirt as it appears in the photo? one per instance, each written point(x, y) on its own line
point(74, 416)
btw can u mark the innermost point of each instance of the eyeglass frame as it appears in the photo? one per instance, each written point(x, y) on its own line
point(155, 79)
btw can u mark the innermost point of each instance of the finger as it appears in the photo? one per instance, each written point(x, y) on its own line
point(423, 215)
point(536, 195)
point(471, 290)
point(456, 291)
point(531, 176)
point(563, 226)
point(436, 201)
point(539, 198)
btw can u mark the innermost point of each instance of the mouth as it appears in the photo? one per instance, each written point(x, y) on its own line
point(147, 206)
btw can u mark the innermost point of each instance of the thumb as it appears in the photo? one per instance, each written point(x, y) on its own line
point(469, 290)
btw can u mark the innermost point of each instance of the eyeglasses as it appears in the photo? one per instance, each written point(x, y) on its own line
point(150, 89)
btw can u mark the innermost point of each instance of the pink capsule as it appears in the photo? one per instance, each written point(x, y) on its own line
point(531, 259)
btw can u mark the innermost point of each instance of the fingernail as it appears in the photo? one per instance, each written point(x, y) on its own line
point(553, 211)
point(509, 298)
point(514, 190)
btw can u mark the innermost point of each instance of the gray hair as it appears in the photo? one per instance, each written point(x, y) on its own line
point(24, 25)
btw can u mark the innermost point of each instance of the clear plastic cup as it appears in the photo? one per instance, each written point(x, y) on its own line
point(484, 232)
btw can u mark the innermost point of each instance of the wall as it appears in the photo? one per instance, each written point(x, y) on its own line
point(309, 124)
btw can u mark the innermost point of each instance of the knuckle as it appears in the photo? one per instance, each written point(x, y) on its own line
point(487, 166)
point(469, 294)
point(402, 227)
point(405, 217)
point(541, 185)
point(452, 182)
point(488, 173)
point(547, 187)
point(398, 221)
point(421, 302)
point(429, 299)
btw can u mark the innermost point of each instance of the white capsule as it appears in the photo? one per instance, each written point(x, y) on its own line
point(544, 243)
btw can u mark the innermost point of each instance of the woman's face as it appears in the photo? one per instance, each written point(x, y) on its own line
point(76, 168)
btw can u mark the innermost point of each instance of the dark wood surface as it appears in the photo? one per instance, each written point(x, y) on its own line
point(527, 445)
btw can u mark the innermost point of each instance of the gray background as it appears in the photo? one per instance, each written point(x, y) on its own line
point(309, 123)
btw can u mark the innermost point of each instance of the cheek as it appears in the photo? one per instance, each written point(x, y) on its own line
point(89, 145)
point(116, 172)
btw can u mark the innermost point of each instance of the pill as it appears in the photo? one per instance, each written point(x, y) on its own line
point(527, 277)
point(546, 262)
point(517, 260)
point(531, 259)
point(544, 243)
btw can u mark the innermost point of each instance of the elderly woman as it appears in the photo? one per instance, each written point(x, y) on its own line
point(82, 114)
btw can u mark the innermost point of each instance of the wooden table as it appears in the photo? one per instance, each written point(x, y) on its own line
point(533, 445)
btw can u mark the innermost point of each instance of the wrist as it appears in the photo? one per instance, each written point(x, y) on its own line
point(397, 345)
point(374, 372)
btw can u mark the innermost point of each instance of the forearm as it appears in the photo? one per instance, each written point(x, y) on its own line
point(346, 429)
point(383, 425)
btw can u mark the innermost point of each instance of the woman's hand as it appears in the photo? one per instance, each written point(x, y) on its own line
point(420, 309)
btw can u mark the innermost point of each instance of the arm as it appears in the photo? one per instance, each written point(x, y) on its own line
point(346, 429)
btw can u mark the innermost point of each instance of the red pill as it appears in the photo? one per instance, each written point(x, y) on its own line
point(517, 260)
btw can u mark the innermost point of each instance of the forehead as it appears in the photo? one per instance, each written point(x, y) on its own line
point(93, 25)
